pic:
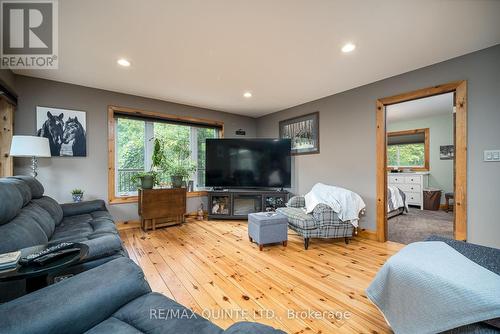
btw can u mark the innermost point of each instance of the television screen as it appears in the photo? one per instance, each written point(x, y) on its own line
point(248, 163)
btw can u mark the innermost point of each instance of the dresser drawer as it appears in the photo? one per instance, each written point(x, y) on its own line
point(410, 187)
point(395, 179)
point(413, 198)
point(413, 179)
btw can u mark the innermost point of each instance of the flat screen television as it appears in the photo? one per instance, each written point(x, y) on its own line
point(248, 163)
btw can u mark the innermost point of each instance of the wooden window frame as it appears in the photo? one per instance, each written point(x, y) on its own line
point(426, 132)
point(459, 88)
point(112, 111)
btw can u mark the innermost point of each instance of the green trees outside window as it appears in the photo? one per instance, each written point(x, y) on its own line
point(406, 155)
point(135, 145)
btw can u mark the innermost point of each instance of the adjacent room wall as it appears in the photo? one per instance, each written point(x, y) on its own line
point(347, 134)
point(440, 133)
point(61, 174)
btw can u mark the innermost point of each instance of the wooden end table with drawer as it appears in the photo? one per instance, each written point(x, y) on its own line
point(161, 207)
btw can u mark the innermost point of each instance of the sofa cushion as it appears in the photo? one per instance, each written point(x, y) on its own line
point(22, 186)
point(85, 226)
point(76, 304)
point(11, 202)
point(25, 230)
point(52, 207)
point(42, 217)
point(35, 185)
point(113, 325)
point(154, 313)
point(96, 229)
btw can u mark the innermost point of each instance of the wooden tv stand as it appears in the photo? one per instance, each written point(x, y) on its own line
point(237, 204)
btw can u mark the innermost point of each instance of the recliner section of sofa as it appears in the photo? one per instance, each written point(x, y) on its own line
point(111, 298)
point(28, 218)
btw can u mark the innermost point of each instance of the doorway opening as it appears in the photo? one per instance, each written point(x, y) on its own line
point(420, 158)
point(421, 164)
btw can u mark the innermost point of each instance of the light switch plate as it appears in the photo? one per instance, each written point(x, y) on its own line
point(492, 155)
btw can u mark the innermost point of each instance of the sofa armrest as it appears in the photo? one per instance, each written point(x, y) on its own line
point(103, 245)
point(296, 202)
point(245, 327)
point(76, 304)
point(73, 209)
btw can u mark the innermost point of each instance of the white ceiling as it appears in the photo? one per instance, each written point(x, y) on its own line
point(286, 52)
point(421, 108)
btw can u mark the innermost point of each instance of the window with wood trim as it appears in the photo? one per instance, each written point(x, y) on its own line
point(132, 135)
point(408, 149)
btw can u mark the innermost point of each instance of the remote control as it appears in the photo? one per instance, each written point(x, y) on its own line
point(43, 260)
point(32, 257)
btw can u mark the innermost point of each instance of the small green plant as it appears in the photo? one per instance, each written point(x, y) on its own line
point(77, 191)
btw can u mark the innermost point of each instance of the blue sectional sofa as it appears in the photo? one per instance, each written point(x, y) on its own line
point(109, 293)
point(28, 218)
point(111, 298)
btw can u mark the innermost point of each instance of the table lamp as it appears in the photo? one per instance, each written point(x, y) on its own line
point(30, 146)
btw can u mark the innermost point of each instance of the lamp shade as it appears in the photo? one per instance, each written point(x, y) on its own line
point(30, 146)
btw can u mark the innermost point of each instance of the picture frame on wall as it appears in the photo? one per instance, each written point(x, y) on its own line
point(447, 152)
point(303, 132)
point(65, 129)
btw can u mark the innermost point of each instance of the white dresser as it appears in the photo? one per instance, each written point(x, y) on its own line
point(412, 184)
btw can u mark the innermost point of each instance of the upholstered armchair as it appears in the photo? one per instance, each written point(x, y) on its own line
point(322, 222)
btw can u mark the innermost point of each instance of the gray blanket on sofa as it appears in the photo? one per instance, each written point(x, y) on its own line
point(429, 287)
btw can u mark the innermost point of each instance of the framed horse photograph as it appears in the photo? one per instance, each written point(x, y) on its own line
point(65, 129)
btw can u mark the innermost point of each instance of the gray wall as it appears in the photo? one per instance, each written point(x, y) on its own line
point(61, 174)
point(440, 133)
point(347, 132)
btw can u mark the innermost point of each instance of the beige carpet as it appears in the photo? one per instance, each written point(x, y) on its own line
point(418, 224)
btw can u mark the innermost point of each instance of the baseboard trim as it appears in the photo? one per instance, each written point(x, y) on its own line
point(127, 224)
point(367, 234)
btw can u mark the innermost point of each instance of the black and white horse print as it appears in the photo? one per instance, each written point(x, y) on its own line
point(52, 129)
point(65, 129)
point(74, 135)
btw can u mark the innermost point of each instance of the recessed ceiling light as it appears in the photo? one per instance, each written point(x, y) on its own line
point(247, 95)
point(349, 47)
point(123, 62)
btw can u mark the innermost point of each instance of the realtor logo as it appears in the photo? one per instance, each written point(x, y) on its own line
point(29, 34)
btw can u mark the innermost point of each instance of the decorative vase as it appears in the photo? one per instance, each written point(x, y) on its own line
point(147, 182)
point(77, 197)
point(176, 181)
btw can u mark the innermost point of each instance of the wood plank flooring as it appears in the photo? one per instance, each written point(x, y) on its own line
point(212, 268)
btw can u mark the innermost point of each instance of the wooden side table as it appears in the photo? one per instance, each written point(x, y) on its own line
point(165, 207)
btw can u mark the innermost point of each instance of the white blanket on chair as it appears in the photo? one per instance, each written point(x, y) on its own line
point(347, 204)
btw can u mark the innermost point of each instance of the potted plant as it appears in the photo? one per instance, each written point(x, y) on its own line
point(150, 179)
point(147, 179)
point(77, 195)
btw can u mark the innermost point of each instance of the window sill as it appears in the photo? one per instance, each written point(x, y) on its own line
point(133, 199)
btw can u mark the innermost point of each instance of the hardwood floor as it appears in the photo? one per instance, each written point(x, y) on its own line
point(212, 268)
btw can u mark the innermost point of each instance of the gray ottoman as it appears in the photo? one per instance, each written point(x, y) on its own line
point(267, 228)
